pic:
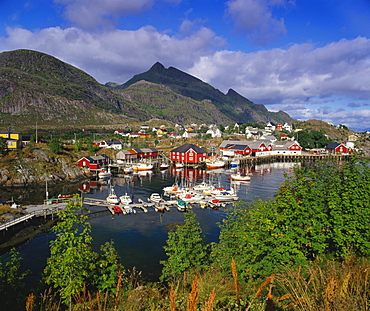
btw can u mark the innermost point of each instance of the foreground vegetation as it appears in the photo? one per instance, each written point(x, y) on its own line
point(305, 249)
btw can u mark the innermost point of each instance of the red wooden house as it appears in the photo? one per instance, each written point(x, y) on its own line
point(146, 152)
point(94, 162)
point(188, 154)
point(337, 148)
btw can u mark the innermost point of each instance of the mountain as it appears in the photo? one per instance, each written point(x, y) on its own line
point(36, 87)
point(233, 105)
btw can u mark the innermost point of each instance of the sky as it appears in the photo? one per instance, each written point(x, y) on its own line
point(309, 58)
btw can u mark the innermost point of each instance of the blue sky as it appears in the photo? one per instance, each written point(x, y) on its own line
point(309, 58)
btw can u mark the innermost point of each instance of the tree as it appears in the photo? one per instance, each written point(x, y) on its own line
point(3, 145)
point(11, 283)
point(71, 258)
point(54, 145)
point(321, 210)
point(72, 264)
point(186, 249)
point(78, 145)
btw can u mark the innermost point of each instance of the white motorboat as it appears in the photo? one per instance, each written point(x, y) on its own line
point(128, 169)
point(125, 199)
point(239, 177)
point(112, 197)
point(211, 164)
point(155, 198)
point(104, 173)
point(142, 167)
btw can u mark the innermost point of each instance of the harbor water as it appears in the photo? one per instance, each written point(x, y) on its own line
point(139, 238)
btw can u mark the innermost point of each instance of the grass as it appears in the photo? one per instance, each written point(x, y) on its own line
point(324, 286)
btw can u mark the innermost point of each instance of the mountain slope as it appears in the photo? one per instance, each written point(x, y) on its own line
point(233, 105)
point(152, 99)
point(37, 86)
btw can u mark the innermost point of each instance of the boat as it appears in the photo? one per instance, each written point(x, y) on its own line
point(234, 163)
point(129, 209)
point(65, 196)
point(117, 210)
point(155, 198)
point(164, 166)
point(190, 196)
point(159, 207)
point(142, 167)
point(174, 189)
point(240, 177)
point(112, 197)
point(125, 199)
point(181, 205)
point(128, 169)
point(226, 196)
point(179, 165)
point(215, 164)
point(104, 173)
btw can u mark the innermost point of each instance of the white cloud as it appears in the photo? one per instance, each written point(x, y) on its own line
point(301, 71)
point(114, 55)
point(90, 14)
point(253, 19)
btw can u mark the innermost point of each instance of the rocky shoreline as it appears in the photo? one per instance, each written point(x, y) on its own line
point(39, 165)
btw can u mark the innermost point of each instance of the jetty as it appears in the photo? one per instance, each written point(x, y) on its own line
point(48, 208)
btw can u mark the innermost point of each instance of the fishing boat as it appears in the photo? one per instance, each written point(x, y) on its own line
point(142, 167)
point(112, 197)
point(239, 177)
point(125, 199)
point(104, 173)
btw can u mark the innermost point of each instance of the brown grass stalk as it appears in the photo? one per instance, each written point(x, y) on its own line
point(235, 277)
point(172, 299)
point(266, 282)
point(193, 297)
point(210, 302)
point(30, 302)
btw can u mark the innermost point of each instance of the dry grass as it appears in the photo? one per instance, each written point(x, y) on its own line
point(331, 286)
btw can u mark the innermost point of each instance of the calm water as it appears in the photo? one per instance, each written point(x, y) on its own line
point(139, 238)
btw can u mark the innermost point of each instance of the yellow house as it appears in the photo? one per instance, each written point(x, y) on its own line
point(14, 139)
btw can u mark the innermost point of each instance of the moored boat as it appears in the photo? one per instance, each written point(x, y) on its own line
point(142, 167)
point(155, 198)
point(104, 173)
point(112, 197)
point(215, 164)
point(125, 199)
point(239, 177)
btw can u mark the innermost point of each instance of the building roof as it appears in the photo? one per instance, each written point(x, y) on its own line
point(186, 147)
point(145, 150)
point(332, 145)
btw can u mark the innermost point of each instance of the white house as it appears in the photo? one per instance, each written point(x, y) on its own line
point(286, 147)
